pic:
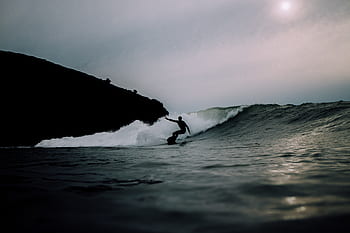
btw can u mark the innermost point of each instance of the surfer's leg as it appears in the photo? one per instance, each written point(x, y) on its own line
point(176, 133)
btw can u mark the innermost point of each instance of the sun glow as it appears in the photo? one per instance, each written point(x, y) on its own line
point(287, 10)
point(285, 6)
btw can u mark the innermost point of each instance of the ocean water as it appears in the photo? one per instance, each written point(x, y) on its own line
point(259, 168)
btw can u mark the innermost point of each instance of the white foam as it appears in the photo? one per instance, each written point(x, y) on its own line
point(141, 134)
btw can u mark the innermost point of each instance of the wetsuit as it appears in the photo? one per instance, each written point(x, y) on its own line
point(182, 126)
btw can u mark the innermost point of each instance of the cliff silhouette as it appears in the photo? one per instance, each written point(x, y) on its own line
point(42, 100)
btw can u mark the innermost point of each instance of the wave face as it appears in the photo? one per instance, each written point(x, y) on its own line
point(141, 134)
point(306, 125)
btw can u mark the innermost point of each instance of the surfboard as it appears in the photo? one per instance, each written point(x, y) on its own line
point(171, 140)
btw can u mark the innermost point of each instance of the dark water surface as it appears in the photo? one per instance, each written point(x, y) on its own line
point(269, 169)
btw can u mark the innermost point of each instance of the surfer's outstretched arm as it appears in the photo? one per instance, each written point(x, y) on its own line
point(170, 119)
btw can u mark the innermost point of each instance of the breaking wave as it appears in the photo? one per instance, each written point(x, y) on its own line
point(229, 124)
point(141, 134)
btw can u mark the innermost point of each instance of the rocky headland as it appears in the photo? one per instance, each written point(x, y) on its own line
point(42, 100)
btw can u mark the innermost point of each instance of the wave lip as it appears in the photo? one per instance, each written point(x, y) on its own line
point(140, 134)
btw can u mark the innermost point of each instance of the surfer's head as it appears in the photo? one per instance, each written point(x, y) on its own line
point(180, 118)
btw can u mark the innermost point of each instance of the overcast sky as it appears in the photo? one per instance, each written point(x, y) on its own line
point(193, 54)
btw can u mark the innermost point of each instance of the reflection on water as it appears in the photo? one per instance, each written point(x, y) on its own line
point(302, 207)
point(306, 178)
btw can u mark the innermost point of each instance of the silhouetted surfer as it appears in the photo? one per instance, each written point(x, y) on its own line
point(183, 126)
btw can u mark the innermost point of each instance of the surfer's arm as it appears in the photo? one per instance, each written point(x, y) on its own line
point(170, 119)
point(188, 128)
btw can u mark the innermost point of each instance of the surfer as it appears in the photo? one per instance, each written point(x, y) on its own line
point(183, 126)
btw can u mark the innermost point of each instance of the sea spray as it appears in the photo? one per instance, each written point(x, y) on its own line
point(141, 134)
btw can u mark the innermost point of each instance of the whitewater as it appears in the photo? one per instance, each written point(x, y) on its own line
point(258, 168)
point(141, 134)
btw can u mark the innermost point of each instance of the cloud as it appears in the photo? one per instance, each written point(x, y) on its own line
point(311, 55)
point(189, 54)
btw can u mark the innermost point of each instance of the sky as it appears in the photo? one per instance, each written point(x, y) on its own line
point(193, 54)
